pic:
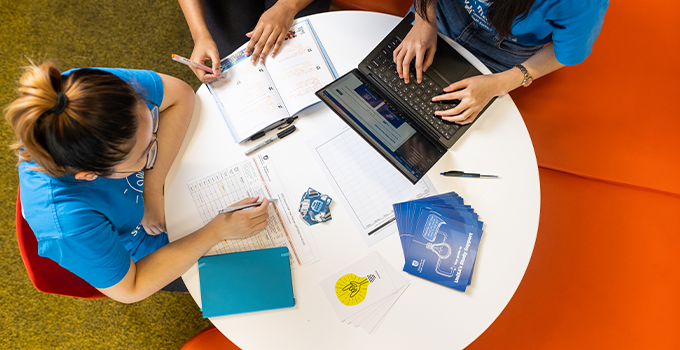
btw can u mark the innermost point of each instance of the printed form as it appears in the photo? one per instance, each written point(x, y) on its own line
point(254, 177)
point(366, 184)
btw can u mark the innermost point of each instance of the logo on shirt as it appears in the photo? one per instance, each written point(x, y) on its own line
point(136, 181)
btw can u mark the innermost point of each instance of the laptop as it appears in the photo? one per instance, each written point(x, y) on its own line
point(398, 119)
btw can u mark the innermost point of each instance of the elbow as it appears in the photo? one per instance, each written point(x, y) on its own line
point(188, 93)
point(127, 299)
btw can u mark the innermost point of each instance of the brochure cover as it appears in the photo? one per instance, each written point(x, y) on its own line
point(440, 237)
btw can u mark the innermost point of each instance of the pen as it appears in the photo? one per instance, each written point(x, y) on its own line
point(189, 62)
point(458, 173)
point(280, 135)
point(281, 123)
point(245, 206)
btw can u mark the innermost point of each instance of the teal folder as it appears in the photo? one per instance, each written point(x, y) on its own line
point(248, 281)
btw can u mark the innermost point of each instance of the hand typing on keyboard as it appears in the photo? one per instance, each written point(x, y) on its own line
point(474, 93)
point(421, 44)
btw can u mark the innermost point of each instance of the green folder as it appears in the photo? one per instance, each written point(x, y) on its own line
point(248, 281)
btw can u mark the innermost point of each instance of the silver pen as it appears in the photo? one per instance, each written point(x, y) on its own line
point(280, 135)
point(245, 206)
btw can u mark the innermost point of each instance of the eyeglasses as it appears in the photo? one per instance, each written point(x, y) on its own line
point(152, 152)
point(153, 149)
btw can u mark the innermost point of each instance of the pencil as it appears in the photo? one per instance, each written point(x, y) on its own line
point(189, 62)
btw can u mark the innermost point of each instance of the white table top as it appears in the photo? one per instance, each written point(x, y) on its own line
point(427, 315)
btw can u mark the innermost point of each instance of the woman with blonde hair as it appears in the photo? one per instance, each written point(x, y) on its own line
point(95, 146)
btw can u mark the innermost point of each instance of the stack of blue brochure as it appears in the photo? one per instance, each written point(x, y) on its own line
point(440, 236)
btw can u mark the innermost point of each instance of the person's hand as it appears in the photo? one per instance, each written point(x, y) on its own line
point(242, 223)
point(205, 49)
point(420, 43)
point(154, 215)
point(474, 93)
point(271, 29)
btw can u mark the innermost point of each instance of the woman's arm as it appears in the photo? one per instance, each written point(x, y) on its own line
point(477, 91)
point(272, 27)
point(175, 116)
point(204, 45)
point(420, 43)
point(158, 269)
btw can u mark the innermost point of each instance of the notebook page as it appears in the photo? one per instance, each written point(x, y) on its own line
point(299, 68)
point(246, 96)
point(364, 182)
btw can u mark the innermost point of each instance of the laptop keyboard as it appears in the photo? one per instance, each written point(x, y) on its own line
point(418, 96)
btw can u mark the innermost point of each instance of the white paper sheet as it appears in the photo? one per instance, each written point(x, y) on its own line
point(376, 285)
point(365, 183)
point(256, 176)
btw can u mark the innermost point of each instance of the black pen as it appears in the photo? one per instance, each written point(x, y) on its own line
point(280, 135)
point(281, 123)
point(458, 173)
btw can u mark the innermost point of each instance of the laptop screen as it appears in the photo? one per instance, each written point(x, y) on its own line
point(381, 125)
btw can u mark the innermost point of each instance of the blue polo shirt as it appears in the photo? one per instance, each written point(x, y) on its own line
point(92, 228)
point(571, 25)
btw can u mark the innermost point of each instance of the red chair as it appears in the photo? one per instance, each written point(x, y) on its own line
point(209, 339)
point(45, 274)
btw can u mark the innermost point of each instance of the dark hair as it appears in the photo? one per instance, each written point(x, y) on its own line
point(96, 130)
point(502, 14)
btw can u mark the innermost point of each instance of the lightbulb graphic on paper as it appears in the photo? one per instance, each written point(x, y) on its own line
point(351, 289)
point(443, 250)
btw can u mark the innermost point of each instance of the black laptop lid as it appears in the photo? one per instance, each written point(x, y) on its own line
point(393, 136)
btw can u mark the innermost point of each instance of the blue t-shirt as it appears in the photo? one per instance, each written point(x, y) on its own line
point(571, 25)
point(92, 228)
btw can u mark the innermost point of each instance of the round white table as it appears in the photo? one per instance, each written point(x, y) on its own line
point(427, 315)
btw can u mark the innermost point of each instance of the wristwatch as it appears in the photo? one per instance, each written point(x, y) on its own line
point(527, 77)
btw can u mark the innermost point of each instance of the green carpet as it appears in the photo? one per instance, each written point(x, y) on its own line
point(122, 33)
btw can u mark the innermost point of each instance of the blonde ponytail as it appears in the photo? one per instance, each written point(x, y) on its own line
point(38, 93)
point(85, 121)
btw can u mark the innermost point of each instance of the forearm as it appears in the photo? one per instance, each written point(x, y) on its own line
point(158, 269)
point(174, 122)
point(194, 13)
point(293, 6)
point(540, 64)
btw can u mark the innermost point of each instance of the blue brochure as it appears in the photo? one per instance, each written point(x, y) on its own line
point(440, 236)
point(247, 281)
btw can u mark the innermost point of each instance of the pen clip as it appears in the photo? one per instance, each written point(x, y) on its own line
point(281, 124)
point(287, 122)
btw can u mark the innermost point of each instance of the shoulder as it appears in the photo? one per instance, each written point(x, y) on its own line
point(59, 207)
point(147, 83)
point(561, 9)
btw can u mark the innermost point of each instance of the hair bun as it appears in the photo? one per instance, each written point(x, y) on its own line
point(60, 106)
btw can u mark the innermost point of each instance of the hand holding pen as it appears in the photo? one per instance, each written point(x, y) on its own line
point(200, 69)
point(237, 224)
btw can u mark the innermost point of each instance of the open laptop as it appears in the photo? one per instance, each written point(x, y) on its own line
point(398, 119)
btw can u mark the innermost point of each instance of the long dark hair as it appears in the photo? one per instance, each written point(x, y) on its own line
point(96, 130)
point(501, 13)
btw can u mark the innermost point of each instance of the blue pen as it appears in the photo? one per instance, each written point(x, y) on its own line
point(458, 173)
